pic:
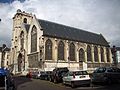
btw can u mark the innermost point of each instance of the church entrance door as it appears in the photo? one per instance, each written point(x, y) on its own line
point(19, 62)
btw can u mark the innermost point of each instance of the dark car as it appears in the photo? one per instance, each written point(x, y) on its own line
point(57, 74)
point(6, 80)
point(48, 75)
point(43, 75)
point(106, 75)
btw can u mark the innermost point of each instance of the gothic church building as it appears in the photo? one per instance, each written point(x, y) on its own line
point(45, 45)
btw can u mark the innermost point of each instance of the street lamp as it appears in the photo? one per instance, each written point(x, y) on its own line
point(3, 55)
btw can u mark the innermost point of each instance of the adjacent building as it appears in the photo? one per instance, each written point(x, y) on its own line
point(4, 56)
point(118, 54)
point(45, 45)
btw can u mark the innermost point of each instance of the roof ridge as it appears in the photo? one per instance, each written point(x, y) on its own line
point(69, 26)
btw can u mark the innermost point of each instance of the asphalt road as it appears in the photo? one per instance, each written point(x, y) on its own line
point(23, 83)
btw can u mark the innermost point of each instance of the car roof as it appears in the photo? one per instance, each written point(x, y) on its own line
point(109, 67)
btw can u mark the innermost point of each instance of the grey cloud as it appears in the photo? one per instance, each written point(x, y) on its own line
point(99, 16)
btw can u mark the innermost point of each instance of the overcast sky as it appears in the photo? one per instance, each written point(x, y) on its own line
point(98, 16)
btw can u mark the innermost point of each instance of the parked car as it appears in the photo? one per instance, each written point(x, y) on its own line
point(57, 74)
point(6, 80)
point(76, 78)
point(43, 75)
point(106, 75)
point(34, 74)
point(48, 75)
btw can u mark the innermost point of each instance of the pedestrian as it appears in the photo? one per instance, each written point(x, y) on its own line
point(30, 74)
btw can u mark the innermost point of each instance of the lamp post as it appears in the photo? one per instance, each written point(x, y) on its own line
point(3, 55)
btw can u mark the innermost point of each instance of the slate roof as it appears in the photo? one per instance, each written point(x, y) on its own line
point(6, 49)
point(65, 32)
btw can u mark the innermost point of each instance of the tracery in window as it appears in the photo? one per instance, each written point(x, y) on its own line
point(108, 54)
point(34, 39)
point(61, 50)
point(89, 54)
point(48, 50)
point(102, 54)
point(95, 54)
point(81, 55)
point(22, 40)
point(72, 52)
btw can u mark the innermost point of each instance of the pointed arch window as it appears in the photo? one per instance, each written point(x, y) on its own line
point(95, 54)
point(108, 54)
point(89, 54)
point(102, 54)
point(48, 50)
point(34, 39)
point(61, 50)
point(81, 55)
point(25, 20)
point(72, 52)
point(22, 40)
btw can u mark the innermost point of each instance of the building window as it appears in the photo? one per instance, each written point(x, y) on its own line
point(34, 39)
point(102, 54)
point(81, 55)
point(48, 50)
point(89, 54)
point(22, 40)
point(108, 54)
point(25, 20)
point(72, 52)
point(61, 50)
point(96, 54)
point(7, 56)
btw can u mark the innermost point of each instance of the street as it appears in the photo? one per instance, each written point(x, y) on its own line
point(23, 83)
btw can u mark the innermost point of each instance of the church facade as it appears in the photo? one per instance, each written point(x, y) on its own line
point(45, 45)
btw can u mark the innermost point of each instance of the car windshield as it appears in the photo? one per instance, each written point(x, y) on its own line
point(79, 73)
point(100, 70)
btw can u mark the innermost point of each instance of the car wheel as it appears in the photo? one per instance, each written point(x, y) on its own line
point(72, 84)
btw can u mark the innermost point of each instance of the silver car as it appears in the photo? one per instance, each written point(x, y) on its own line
point(75, 78)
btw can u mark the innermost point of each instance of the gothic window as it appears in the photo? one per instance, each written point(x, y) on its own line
point(61, 50)
point(22, 40)
point(34, 39)
point(96, 54)
point(81, 55)
point(102, 54)
point(48, 50)
point(25, 20)
point(108, 54)
point(72, 52)
point(89, 54)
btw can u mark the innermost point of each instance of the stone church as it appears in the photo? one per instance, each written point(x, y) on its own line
point(45, 45)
